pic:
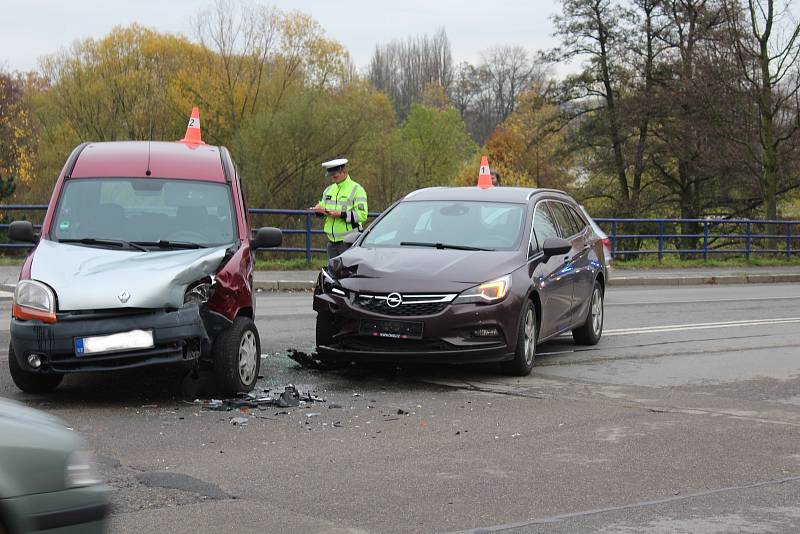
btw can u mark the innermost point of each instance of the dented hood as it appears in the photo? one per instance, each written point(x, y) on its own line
point(412, 269)
point(90, 278)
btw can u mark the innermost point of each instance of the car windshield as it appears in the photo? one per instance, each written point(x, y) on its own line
point(156, 212)
point(450, 224)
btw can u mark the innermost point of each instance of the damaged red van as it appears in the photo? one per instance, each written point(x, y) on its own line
point(145, 258)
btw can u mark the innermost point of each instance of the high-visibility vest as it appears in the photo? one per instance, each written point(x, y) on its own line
point(350, 198)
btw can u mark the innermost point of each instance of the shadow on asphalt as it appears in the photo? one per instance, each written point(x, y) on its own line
point(164, 385)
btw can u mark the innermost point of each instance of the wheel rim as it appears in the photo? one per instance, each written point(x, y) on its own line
point(530, 337)
point(597, 311)
point(247, 357)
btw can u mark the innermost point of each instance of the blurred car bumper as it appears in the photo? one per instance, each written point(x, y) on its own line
point(72, 511)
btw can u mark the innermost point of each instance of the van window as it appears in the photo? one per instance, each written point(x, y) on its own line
point(145, 210)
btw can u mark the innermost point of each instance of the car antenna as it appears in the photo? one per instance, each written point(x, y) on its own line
point(149, 140)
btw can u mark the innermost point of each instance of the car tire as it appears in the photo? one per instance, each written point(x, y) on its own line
point(324, 329)
point(31, 382)
point(525, 352)
point(592, 328)
point(237, 357)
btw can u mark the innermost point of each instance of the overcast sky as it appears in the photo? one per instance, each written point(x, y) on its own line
point(32, 28)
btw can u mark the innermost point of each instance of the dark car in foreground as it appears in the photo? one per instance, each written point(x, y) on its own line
point(463, 275)
point(47, 479)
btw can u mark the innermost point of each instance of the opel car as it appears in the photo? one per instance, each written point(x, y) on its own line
point(464, 275)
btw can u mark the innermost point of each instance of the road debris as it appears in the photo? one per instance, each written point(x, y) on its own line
point(290, 397)
point(239, 421)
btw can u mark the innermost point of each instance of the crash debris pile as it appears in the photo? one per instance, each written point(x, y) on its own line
point(290, 397)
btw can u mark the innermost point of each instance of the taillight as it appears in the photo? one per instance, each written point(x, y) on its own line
point(607, 243)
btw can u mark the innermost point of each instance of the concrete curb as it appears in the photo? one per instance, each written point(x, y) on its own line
point(614, 281)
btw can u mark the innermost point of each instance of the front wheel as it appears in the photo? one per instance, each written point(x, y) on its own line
point(525, 353)
point(31, 382)
point(237, 357)
point(592, 328)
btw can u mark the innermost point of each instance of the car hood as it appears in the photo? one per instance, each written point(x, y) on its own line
point(412, 269)
point(90, 278)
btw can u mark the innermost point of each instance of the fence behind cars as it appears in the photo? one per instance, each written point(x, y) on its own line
point(629, 237)
point(701, 237)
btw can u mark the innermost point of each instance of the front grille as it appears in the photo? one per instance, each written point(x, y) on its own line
point(367, 344)
point(409, 306)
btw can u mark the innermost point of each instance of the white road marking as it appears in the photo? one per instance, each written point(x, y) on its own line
point(698, 326)
point(701, 301)
point(6, 294)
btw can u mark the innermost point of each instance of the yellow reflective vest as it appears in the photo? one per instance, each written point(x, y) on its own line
point(350, 198)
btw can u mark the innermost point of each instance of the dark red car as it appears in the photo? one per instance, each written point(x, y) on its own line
point(464, 275)
point(145, 258)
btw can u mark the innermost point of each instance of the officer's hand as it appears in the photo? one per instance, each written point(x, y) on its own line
point(335, 213)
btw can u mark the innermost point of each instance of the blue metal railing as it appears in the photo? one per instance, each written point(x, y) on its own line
point(712, 236)
point(649, 236)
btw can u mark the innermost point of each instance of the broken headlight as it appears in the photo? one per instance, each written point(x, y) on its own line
point(328, 284)
point(199, 292)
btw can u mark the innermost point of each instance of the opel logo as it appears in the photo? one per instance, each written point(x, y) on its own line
point(124, 296)
point(394, 300)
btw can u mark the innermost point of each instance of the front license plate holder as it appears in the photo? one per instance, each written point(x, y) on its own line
point(391, 329)
point(119, 342)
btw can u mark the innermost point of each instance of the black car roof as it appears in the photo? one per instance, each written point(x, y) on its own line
point(495, 194)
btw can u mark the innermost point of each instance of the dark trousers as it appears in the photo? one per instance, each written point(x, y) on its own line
point(335, 248)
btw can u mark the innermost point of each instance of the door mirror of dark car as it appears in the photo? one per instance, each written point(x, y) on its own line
point(22, 231)
point(554, 246)
point(351, 238)
point(267, 237)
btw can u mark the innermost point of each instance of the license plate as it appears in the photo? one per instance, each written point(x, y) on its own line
point(135, 339)
point(391, 329)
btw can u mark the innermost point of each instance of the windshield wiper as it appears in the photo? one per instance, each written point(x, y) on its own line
point(440, 246)
point(95, 241)
point(163, 243)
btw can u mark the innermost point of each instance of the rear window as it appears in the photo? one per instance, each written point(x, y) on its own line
point(489, 225)
point(146, 210)
point(565, 221)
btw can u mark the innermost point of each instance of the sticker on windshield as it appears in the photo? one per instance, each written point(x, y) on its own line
point(63, 225)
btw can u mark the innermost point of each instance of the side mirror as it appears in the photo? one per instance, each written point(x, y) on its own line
point(554, 246)
point(267, 237)
point(351, 238)
point(22, 231)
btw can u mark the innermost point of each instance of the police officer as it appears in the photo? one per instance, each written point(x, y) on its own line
point(343, 204)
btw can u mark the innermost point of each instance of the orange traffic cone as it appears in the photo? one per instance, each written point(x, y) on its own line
point(485, 175)
point(192, 136)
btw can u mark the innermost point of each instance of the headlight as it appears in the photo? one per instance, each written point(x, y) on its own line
point(329, 284)
point(200, 292)
point(488, 292)
point(34, 300)
point(80, 470)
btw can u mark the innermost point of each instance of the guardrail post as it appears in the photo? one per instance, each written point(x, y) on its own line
point(747, 240)
point(613, 238)
point(308, 238)
point(705, 240)
point(660, 240)
point(788, 240)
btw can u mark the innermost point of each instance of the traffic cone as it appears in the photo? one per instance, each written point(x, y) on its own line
point(485, 175)
point(192, 136)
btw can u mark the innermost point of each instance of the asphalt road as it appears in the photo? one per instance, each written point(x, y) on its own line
point(685, 418)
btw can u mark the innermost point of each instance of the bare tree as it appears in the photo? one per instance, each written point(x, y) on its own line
point(404, 69)
point(766, 41)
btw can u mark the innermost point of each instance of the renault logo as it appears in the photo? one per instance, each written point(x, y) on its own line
point(124, 296)
point(394, 300)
